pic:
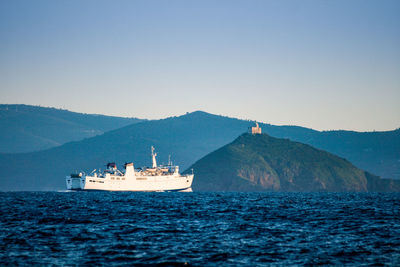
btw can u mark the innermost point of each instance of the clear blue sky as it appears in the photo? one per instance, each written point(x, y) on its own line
point(321, 64)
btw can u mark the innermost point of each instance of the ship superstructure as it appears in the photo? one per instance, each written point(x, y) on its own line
point(155, 178)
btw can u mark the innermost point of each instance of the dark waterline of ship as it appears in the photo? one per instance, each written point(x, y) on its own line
point(123, 228)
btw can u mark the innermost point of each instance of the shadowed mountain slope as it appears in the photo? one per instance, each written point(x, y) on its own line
point(187, 138)
point(30, 128)
point(264, 163)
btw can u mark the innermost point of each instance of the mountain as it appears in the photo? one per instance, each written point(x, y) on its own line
point(376, 152)
point(264, 163)
point(31, 128)
point(187, 138)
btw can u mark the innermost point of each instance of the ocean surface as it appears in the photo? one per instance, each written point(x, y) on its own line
point(228, 229)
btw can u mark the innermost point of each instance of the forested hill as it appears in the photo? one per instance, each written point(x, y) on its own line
point(27, 128)
point(264, 163)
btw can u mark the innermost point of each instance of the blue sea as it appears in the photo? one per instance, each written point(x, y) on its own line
point(199, 229)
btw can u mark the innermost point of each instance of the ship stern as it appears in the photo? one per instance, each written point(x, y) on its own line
point(75, 182)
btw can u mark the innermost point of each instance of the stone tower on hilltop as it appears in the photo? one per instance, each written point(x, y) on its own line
point(255, 130)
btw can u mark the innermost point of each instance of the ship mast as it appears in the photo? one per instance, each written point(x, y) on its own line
point(153, 156)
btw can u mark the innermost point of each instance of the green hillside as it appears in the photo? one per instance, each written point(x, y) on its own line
point(30, 128)
point(265, 163)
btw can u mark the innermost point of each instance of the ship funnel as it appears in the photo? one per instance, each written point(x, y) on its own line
point(153, 157)
point(129, 169)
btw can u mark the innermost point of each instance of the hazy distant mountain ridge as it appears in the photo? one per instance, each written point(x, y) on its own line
point(187, 138)
point(264, 163)
point(30, 128)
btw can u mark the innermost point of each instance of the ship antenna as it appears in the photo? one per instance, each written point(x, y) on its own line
point(169, 160)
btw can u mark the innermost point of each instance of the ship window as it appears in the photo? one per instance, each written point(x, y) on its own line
point(117, 178)
point(123, 178)
point(112, 178)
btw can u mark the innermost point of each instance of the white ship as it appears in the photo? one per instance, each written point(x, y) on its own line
point(156, 178)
